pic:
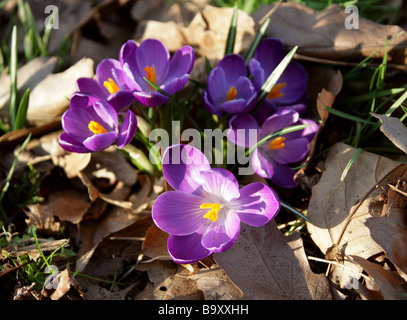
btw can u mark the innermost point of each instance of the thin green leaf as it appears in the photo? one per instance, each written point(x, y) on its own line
point(230, 41)
point(275, 135)
point(293, 210)
point(22, 111)
point(10, 174)
point(349, 116)
point(13, 76)
point(396, 104)
point(256, 41)
point(274, 76)
point(350, 163)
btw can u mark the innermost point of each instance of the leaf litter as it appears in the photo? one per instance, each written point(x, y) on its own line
point(357, 223)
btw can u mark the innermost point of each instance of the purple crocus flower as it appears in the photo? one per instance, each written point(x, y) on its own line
point(272, 159)
point(92, 125)
point(111, 85)
point(152, 60)
point(292, 84)
point(229, 90)
point(203, 213)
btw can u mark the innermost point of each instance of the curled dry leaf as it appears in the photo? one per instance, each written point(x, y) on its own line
point(391, 285)
point(49, 99)
point(394, 129)
point(66, 285)
point(346, 216)
point(264, 264)
point(323, 34)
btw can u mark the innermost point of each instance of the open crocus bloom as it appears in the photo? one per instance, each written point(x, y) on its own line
point(152, 60)
point(272, 159)
point(111, 85)
point(229, 90)
point(203, 213)
point(292, 84)
point(92, 125)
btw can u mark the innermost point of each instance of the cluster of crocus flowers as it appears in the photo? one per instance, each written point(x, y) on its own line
point(274, 159)
point(93, 125)
point(203, 213)
point(92, 121)
point(233, 88)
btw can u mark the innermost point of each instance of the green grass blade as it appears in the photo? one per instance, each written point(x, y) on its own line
point(349, 116)
point(256, 41)
point(13, 76)
point(350, 163)
point(10, 175)
point(396, 104)
point(275, 75)
point(230, 42)
point(293, 210)
point(22, 111)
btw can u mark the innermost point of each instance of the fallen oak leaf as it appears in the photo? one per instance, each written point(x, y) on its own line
point(394, 129)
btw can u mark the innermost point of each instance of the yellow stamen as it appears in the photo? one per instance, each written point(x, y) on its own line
point(275, 91)
point(213, 213)
point(96, 127)
point(151, 74)
point(231, 93)
point(277, 143)
point(111, 86)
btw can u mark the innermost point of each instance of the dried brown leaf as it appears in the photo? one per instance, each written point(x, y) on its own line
point(343, 212)
point(394, 129)
point(323, 34)
point(264, 264)
point(66, 286)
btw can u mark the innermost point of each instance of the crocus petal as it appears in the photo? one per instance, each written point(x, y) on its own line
point(100, 141)
point(75, 122)
point(222, 235)
point(92, 87)
point(104, 70)
point(71, 145)
point(127, 51)
point(261, 165)
point(150, 99)
point(175, 85)
point(127, 129)
point(182, 165)
point(187, 249)
point(269, 53)
point(178, 212)
point(120, 100)
point(82, 100)
point(243, 130)
point(153, 52)
point(293, 151)
point(103, 113)
point(257, 205)
point(208, 105)
point(181, 62)
point(234, 67)
point(220, 182)
point(280, 120)
point(217, 87)
point(283, 176)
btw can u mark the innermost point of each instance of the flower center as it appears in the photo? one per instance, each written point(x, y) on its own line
point(96, 127)
point(151, 74)
point(275, 91)
point(111, 86)
point(277, 143)
point(231, 93)
point(213, 213)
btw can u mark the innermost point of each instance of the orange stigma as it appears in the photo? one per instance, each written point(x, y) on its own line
point(111, 86)
point(151, 74)
point(96, 127)
point(232, 93)
point(275, 91)
point(277, 143)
